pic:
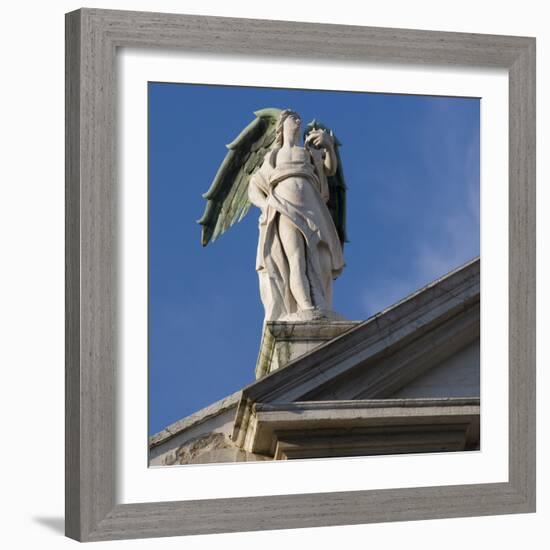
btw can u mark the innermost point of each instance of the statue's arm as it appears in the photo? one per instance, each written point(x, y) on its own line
point(323, 140)
point(255, 195)
point(258, 183)
point(330, 160)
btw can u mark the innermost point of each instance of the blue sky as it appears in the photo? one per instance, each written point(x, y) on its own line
point(412, 168)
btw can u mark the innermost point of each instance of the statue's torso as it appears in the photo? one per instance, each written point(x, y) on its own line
point(293, 154)
point(294, 174)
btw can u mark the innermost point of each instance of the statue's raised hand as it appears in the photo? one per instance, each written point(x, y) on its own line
point(320, 139)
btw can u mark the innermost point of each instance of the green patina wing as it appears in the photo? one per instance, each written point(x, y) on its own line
point(227, 198)
point(337, 185)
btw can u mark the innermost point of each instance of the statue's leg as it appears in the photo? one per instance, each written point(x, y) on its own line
point(295, 251)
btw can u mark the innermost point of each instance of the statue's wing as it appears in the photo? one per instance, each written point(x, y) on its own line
point(337, 185)
point(227, 197)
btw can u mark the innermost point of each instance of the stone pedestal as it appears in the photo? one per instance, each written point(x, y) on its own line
point(284, 341)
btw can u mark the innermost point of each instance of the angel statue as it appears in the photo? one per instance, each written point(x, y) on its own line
point(300, 191)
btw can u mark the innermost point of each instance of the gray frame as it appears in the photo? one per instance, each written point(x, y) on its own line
point(92, 38)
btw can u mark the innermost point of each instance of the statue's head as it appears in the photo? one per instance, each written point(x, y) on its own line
point(289, 121)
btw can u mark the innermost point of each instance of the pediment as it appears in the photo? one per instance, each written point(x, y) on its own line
point(435, 330)
point(442, 362)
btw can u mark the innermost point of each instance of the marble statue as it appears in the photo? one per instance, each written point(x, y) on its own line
point(300, 191)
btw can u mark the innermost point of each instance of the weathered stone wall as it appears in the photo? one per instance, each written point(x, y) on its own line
point(206, 449)
point(203, 437)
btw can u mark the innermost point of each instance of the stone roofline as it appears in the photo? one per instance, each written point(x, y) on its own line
point(439, 286)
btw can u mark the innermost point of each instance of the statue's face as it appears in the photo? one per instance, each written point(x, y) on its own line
point(291, 125)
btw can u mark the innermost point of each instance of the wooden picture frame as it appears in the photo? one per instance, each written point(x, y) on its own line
point(92, 39)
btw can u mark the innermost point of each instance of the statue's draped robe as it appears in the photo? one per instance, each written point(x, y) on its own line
point(299, 191)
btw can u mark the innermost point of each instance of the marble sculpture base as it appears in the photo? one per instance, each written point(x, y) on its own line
point(284, 341)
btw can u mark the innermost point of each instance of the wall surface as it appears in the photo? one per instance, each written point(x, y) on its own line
point(32, 269)
point(456, 376)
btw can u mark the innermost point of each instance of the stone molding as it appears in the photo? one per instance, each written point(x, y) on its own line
point(369, 426)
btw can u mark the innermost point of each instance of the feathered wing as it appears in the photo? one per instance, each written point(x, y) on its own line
point(337, 185)
point(227, 198)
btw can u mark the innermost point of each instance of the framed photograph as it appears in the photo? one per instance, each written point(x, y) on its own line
point(327, 346)
point(411, 163)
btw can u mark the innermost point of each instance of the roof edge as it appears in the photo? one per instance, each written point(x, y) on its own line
point(194, 419)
